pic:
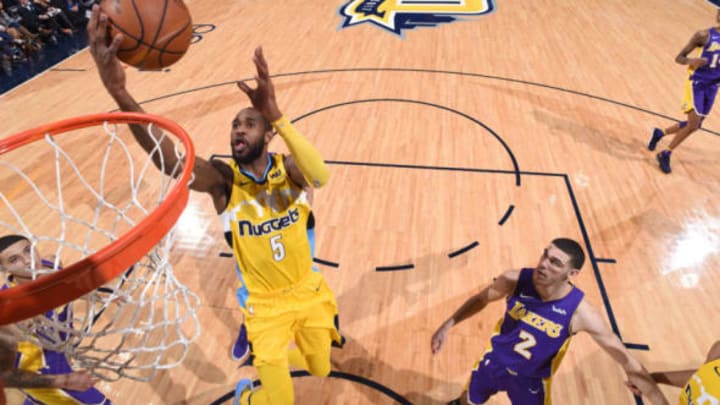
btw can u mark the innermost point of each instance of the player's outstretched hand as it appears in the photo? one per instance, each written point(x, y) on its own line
point(76, 381)
point(439, 337)
point(110, 69)
point(262, 97)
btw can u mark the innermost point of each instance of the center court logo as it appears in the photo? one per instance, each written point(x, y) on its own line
point(399, 15)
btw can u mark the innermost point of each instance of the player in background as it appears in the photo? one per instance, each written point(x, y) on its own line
point(543, 311)
point(701, 88)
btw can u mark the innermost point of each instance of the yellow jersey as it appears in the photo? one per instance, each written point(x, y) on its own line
point(267, 220)
point(703, 388)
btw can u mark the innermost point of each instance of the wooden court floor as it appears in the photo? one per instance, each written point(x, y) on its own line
point(496, 133)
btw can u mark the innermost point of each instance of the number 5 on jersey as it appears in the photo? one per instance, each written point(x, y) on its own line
point(277, 247)
point(528, 342)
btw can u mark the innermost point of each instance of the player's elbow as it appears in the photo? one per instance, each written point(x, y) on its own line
point(320, 178)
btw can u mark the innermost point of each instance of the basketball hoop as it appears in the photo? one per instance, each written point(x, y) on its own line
point(129, 315)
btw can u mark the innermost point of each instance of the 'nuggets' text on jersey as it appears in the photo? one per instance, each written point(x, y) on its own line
point(398, 15)
point(266, 223)
point(271, 225)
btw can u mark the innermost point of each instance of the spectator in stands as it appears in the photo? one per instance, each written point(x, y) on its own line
point(56, 15)
point(40, 20)
point(74, 11)
point(6, 50)
point(28, 41)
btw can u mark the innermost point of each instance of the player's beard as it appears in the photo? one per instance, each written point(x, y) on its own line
point(253, 153)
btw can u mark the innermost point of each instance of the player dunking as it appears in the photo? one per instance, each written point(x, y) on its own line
point(700, 90)
point(262, 193)
point(543, 311)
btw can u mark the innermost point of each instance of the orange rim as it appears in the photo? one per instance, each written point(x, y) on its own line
point(53, 290)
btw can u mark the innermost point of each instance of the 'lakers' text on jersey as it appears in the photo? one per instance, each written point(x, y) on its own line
point(710, 72)
point(703, 388)
point(268, 220)
point(533, 336)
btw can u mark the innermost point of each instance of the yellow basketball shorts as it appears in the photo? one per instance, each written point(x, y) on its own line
point(305, 312)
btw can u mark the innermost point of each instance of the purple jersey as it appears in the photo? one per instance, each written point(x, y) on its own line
point(710, 72)
point(44, 361)
point(532, 337)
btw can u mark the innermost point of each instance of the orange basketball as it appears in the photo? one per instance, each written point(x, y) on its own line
point(156, 33)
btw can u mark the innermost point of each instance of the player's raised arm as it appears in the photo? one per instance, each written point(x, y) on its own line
point(305, 166)
point(588, 319)
point(679, 378)
point(209, 178)
point(502, 286)
point(697, 40)
point(76, 381)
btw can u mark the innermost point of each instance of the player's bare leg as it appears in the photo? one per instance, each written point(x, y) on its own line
point(693, 123)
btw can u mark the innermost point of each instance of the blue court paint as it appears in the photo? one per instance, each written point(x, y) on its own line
point(507, 215)
point(464, 249)
point(636, 346)
point(605, 260)
point(326, 262)
point(593, 260)
point(67, 70)
point(395, 268)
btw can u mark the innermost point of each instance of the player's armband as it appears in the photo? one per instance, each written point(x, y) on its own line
point(307, 157)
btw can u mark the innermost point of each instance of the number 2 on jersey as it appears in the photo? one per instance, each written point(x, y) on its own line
point(277, 248)
point(528, 342)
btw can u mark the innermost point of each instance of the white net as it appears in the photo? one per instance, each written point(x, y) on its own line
point(71, 195)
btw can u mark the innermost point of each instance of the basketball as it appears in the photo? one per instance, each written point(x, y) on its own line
point(156, 33)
